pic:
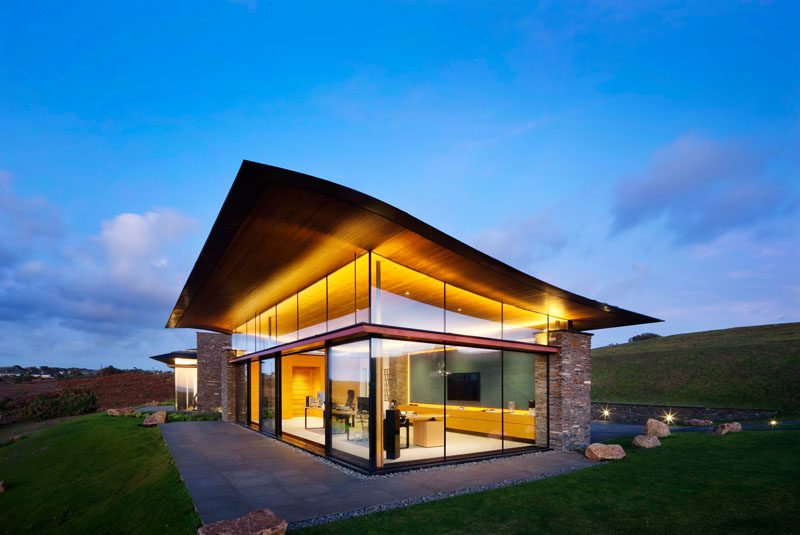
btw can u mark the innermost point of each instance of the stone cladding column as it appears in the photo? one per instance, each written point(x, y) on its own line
point(570, 391)
point(212, 356)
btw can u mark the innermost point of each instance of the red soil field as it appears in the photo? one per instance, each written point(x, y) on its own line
point(118, 390)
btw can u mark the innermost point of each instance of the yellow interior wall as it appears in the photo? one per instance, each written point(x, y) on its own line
point(255, 385)
point(318, 378)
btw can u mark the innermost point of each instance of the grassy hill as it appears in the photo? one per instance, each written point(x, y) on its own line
point(746, 367)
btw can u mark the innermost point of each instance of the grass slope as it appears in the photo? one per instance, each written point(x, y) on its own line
point(94, 474)
point(745, 482)
point(756, 367)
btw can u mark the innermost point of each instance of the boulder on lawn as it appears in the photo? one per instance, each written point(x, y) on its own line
point(646, 441)
point(696, 422)
point(260, 522)
point(16, 438)
point(654, 427)
point(724, 429)
point(604, 452)
point(156, 418)
point(120, 412)
point(2, 487)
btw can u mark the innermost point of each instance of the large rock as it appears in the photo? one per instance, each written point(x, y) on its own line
point(604, 452)
point(696, 422)
point(156, 418)
point(16, 438)
point(2, 487)
point(723, 429)
point(646, 441)
point(260, 522)
point(120, 412)
point(654, 427)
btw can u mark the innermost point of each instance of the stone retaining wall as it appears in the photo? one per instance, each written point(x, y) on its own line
point(633, 413)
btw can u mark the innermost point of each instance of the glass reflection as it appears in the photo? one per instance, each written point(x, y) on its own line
point(519, 399)
point(268, 399)
point(402, 297)
point(409, 401)
point(349, 412)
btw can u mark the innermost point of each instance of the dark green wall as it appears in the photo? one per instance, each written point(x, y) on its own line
point(427, 385)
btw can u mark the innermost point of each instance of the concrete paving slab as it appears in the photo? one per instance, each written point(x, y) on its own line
point(230, 471)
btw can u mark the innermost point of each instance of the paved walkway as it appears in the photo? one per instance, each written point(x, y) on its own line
point(231, 471)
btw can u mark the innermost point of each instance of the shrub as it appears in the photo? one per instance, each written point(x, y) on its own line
point(67, 402)
point(643, 336)
point(194, 416)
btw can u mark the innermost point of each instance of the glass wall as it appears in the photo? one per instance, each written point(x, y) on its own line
point(522, 325)
point(402, 297)
point(387, 293)
point(339, 300)
point(350, 408)
point(471, 314)
point(303, 395)
point(474, 400)
point(519, 399)
point(185, 388)
point(410, 400)
point(268, 396)
point(431, 402)
point(240, 387)
point(254, 379)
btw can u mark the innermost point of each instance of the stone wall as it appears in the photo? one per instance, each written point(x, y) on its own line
point(570, 374)
point(632, 413)
point(228, 392)
point(212, 351)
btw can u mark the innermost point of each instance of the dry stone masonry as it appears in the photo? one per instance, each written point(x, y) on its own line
point(212, 349)
point(570, 376)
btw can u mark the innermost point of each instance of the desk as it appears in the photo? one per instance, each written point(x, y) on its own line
point(305, 416)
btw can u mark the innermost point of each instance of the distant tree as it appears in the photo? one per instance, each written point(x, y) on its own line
point(643, 336)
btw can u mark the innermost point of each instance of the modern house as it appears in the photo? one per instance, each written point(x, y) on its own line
point(184, 365)
point(351, 329)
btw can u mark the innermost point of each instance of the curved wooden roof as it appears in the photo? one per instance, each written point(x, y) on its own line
point(279, 231)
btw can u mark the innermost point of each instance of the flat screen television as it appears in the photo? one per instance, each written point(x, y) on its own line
point(464, 386)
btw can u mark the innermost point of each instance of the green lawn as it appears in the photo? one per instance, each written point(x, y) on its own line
point(94, 474)
point(745, 482)
point(756, 367)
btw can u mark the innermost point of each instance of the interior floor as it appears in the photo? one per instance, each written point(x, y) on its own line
point(358, 442)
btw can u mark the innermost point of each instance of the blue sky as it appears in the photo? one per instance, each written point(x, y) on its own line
point(644, 155)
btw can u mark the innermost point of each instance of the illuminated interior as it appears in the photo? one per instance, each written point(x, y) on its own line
point(396, 296)
point(185, 385)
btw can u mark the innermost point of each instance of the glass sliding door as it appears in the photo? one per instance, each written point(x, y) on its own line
point(350, 407)
point(474, 401)
point(409, 401)
point(303, 395)
point(268, 396)
point(254, 382)
point(519, 400)
point(240, 391)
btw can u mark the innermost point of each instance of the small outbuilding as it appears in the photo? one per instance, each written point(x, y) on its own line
point(184, 364)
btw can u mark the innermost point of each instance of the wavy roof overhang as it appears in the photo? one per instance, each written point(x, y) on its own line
point(279, 231)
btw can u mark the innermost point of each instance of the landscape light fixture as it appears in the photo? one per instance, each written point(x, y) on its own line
point(669, 417)
point(606, 413)
point(773, 423)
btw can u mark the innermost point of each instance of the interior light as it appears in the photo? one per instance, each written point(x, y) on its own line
point(407, 293)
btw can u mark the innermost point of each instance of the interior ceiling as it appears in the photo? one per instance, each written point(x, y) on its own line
point(279, 231)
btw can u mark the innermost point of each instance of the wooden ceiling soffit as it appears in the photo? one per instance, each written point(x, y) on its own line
point(279, 231)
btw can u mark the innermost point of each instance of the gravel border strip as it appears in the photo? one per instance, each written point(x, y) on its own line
point(358, 475)
point(423, 499)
